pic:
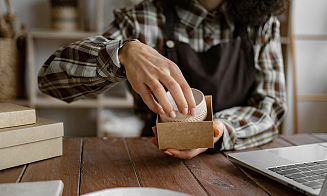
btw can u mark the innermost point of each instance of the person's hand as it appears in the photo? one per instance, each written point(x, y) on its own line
point(218, 129)
point(147, 71)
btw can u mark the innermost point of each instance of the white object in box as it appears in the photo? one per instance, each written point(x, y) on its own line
point(30, 143)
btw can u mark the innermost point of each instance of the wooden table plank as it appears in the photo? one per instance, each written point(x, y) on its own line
point(277, 142)
point(220, 177)
point(155, 169)
point(245, 150)
point(321, 136)
point(271, 186)
point(299, 139)
point(65, 167)
point(12, 175)
point(106, 164)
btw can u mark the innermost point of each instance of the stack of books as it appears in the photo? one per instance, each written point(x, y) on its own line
point(25, 138)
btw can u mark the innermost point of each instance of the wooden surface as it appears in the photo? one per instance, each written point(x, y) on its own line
point(91, 164)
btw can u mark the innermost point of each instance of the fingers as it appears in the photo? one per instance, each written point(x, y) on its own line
point(161, 95)
point(190, 100)
point(147, 70)
point(186, 90)
point(176, 92)
point(218, 128)
point(154, 140)
point(148, 99)
point(154, 129)
point(184, 154)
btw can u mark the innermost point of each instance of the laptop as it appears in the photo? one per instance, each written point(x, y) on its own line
point(303, 167)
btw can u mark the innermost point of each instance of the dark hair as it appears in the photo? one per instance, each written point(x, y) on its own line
point(254, 12)
point(249, 12)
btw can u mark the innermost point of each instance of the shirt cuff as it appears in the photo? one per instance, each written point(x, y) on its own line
point(115, 58)
point(108, 60)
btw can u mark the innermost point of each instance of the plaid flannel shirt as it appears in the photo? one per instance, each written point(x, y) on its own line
point(91, 65)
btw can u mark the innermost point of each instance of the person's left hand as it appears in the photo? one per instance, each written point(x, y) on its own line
point(218, 129)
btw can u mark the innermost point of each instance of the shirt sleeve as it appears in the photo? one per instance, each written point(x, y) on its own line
point(257, 123)
point(89, 66)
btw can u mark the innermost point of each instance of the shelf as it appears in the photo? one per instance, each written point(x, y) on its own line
point(22, 102)
point(55, 34)
point(318, 97)
point(41, 101)
point(49, 102)
point(128, 102)
point(284, 40)
point(311, 37)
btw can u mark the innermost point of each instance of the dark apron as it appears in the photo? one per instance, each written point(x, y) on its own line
point(225, 71)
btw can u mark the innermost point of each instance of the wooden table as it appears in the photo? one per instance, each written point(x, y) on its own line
point(91, 164)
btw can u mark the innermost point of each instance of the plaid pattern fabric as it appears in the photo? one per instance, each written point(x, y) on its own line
point(90, 66)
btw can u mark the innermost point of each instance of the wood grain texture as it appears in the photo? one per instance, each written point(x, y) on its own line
point(65, 167)
point(271, 186)
point(245, 150)
point(11, 175)
point(99, 163)
point(155, 169)
point(321, 136)
point(299, 139)
point(106, 164)
point(220, 177)
point(275, 143)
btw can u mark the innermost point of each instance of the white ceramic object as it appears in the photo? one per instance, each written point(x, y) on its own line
point(200, 114)
point(135, 191)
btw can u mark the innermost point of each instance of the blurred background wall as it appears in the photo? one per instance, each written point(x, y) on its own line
point(309, 20)
point(309, 27)
point(36, 14)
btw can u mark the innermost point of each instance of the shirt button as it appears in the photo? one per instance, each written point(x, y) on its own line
point(170, 44)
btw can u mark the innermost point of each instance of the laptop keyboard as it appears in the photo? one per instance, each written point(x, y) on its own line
point(310, 174)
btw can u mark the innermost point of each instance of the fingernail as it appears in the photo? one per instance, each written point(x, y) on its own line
point(193, 112)
point(161, 111)
point(216, 134)
point(168, 153)
point(172, 114)
point(184, 111)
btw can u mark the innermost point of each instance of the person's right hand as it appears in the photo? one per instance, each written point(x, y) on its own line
point(147, 71)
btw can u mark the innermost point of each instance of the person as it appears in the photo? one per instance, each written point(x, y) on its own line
point(228, 49)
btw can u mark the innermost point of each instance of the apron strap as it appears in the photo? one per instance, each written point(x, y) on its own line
point(170, 41)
